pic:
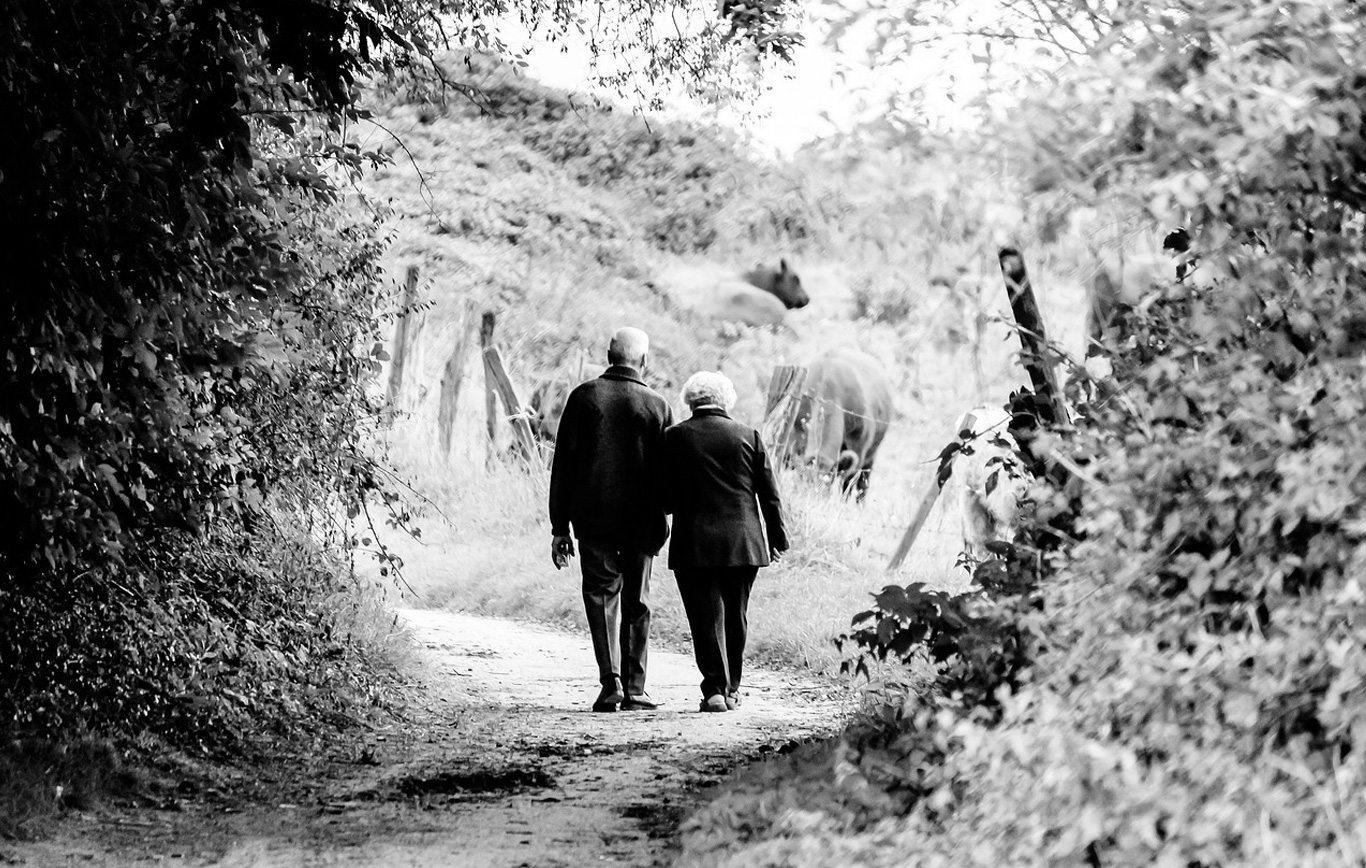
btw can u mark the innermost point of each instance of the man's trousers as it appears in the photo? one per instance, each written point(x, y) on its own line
point(616, 598)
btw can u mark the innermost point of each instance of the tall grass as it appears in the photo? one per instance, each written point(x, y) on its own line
point(485, 547)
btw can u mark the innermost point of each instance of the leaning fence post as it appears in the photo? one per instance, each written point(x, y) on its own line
point(941, 476)
point(1033, 337)
point(784, 400)
point(521, 428)
point(922, 512)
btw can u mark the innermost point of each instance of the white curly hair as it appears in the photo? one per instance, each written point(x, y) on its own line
point(709, 387)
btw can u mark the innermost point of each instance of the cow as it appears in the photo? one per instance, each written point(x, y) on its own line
point(545, 407)
point(756, 298)
point(542, 411)
point(845, 408)
point(738, 301)
point(783, 284)
point(989, 477)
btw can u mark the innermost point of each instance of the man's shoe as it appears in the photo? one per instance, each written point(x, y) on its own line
point(639, 702)
point(715, 702)
point(609, 699)
point(732, 701)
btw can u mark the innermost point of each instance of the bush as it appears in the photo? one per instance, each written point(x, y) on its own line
point(887, 304)
point(42, 777)
point(191, 331)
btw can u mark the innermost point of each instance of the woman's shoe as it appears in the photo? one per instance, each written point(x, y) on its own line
point(715, 702)
point(610, 698)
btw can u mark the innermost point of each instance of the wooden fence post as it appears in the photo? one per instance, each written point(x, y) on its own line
point(490, 397)
point(404, 336)
point(451, 377)
point(784, 400)
point(1033, 338)
point(521, 427)
point(922, 510)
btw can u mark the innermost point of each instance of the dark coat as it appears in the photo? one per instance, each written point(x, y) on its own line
point(717, 483)
point(607, 453)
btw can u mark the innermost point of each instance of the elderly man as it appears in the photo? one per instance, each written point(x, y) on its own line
point(607, 451)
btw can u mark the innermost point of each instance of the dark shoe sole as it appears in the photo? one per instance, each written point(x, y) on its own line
point(609, 701)
point(707, 706)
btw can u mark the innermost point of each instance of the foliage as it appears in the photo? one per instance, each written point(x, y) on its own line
point(875, 304)
point(695, 188)
point(189, 329)
point(42, 777)
point(193, 316)
point(1193, 693)
point(973, 638)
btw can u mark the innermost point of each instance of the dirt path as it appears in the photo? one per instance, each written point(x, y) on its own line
point(499, 762)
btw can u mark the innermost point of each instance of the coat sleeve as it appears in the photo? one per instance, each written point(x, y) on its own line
point(562, 467)
point(665, 484)
point(766, 490)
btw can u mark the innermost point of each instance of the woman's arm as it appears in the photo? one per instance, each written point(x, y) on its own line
point(770, 503)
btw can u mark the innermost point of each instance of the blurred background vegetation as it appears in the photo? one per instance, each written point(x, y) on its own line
point(205, 494)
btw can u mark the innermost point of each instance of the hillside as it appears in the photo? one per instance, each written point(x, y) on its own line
point(568, 219)
point(565, 219)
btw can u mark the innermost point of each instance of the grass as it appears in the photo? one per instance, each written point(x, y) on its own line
point(485, 549)
point(39, 778)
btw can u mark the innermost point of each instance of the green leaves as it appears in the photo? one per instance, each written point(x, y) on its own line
point(182, 333)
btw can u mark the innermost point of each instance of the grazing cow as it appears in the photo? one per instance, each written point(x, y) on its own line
point(737, 301)
point(545, 407)
point(761, 297)
point(783, 283)
point(542, 410)
point(989, 477)
point(844, 412)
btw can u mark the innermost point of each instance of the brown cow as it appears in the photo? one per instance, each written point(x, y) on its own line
point(783, 284)
point(546, 406)
point(843, 416)
point(738, 301)
point(542, 410)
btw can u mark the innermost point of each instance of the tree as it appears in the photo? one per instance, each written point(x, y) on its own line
point(190, 318)
point(1196, 660)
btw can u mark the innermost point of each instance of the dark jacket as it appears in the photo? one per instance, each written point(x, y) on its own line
point(607, 455)
point(717, 483)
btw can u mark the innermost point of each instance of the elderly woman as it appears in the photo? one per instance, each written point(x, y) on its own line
point(718, 484)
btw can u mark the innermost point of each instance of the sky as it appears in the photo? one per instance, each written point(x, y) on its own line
point(827, 89)
point(820, 93)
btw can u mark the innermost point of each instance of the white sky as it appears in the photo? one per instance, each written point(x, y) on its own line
point(824, 90)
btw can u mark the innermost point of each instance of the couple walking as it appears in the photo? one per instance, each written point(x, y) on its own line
point(620, 466)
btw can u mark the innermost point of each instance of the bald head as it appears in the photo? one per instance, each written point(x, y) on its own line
point(628, 347)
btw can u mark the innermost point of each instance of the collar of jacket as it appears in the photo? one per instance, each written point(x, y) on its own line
point(710, 411)
point(623, 372)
